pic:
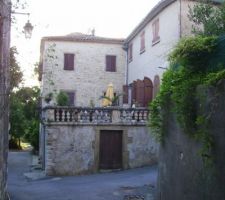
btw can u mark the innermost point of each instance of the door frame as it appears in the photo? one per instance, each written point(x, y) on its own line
point(96, 145)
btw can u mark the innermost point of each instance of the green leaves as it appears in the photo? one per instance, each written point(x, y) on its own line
point(194, 52)
point(208, 18)
point(178, 94)
point(24, 117)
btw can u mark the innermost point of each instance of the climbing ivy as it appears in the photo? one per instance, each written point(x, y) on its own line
point(178, 93)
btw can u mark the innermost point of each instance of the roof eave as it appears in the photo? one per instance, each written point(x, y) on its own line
point(153, 13)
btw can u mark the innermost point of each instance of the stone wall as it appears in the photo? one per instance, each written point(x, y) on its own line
point(182, 174)
point(74, 149)
point(4, 85)
point(89, 79)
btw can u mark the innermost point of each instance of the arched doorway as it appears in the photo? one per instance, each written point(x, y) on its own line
point(156, 85)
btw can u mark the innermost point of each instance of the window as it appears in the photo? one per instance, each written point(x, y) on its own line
point(110, 63)
point(68, 61)
point(142, 45)
point(71, 97)
point(155, 31)
point(130, 52)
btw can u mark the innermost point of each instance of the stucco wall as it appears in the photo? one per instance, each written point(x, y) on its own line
point(147, 63)
point(182, 174)
point(72, 150)
point(89, 79)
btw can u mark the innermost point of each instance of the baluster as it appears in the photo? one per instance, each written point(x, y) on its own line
point(64, 115)
point(86, 116)
point(56, 115)
point(70, 113)
point(136, 115)
point(75, 115)
point(145, 115)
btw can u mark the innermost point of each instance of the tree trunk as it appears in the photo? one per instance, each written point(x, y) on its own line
point(5, 10)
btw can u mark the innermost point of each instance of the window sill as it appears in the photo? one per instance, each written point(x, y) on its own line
point(156, 41)
point(142, 51)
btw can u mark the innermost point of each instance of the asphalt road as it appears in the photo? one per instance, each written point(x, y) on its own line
point(102, 186)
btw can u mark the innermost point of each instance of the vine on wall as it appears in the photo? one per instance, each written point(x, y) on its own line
point(190, 66)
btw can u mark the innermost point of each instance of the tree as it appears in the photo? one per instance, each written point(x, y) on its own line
point(24, 117)
point(16, 75)
point(208, 18)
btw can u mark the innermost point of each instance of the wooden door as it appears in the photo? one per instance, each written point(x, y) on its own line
point(110, 152)
point(140, 93)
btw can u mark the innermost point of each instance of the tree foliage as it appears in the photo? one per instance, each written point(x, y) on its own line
point(24, 117)
point(16, 75)
point(208, 18)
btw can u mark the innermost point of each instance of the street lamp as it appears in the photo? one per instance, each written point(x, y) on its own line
point(28, 28)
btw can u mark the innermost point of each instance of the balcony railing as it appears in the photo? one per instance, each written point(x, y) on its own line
point(82, 115)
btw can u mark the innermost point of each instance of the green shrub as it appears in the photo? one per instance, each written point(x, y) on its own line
point(62, 99)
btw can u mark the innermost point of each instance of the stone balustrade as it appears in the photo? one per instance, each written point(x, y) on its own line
point(97, 115)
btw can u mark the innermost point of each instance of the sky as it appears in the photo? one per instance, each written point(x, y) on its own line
point(114, 19)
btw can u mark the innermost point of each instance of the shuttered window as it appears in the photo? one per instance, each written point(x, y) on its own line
point(130, 52)
point(110, 63)
point(142, 44)
point(155, 31)
point(71, 96)
point(69, 61)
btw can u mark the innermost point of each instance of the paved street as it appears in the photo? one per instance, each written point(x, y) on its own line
point(103, 186)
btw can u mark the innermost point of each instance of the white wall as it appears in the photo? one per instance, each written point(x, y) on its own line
point(147, 63)
point(89, 79)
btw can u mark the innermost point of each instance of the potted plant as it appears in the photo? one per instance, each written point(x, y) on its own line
point(62, 99)
point(48, 97)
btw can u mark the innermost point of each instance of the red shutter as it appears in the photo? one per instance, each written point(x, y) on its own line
point(148, 91)
point(156, 85)
point(71, 96)
point(111, 63)
point(69, 61)
point(140, 93)
point(134, 91)
point(131, 52)
point(142, 45)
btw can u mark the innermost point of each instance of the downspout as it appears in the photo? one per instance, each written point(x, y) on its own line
point(125, 48)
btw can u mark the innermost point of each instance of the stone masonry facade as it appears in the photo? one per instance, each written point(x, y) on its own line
point(73, 150)
point(89, 79)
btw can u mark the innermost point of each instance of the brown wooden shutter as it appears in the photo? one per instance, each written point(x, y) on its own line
point(142, 45)
point(156, 85)
point(110, 63)
point(134, 91)
point(125, 94)
point(140, 93)
point(131, 52)
point(71, 96)
point(68, 61)
point(148, 91)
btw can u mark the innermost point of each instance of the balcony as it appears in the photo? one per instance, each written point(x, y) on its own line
point(95, 116)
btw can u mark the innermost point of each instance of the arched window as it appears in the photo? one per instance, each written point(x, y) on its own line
point(156, 85)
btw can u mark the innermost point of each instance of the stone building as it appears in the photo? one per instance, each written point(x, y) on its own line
point(83, 66)
point(5, 9)
point(85, 138)
point(149, 44)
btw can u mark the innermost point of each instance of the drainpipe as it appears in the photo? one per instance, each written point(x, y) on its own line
point(125, 48)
